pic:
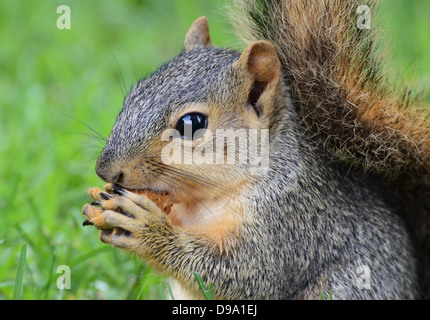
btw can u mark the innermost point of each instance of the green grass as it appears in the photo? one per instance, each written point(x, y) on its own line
point(208, 293)
point(52, 81)
point(20, 273)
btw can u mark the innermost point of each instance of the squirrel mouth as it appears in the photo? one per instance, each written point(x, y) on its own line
point(116, 188)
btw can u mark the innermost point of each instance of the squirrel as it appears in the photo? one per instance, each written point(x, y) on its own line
point(342, 206)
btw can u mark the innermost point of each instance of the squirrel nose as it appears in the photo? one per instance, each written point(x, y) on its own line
point(105, 171)
point(102, 174)
point(116, 178)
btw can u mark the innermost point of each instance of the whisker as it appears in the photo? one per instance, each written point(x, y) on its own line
point(225, 203)
point(121, 81)
point(71, 115)
point(90, 146)
point(97, 138)
point(206, 183)
point(166, 180)
point(179, 175)
point(183, 189)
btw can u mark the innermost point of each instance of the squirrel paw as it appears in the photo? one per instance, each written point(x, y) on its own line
point(123, 218)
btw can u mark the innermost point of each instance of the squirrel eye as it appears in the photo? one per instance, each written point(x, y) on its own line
point(192, 125)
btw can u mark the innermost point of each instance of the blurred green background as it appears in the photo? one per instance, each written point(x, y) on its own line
point(56, 84)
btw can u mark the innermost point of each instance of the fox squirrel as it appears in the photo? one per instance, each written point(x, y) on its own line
point(342, 205)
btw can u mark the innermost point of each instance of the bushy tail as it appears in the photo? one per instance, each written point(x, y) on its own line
point(333, 65)
point(330, 61)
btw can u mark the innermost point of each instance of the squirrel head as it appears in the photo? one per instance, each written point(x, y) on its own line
point(202, 91)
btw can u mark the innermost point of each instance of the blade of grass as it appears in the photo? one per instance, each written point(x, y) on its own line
point(207, 293)
point(170, 290)
point(26, 238)
point(20, 273)
point(160, 290)
point(89, 255)
point(48, 283)
point(136, 281)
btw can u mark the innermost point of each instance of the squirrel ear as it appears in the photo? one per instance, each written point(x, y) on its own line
point(198, 35)
point(261, 61)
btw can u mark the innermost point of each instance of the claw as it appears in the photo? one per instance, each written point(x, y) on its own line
point(98, 194)
point(87, 223)
point(105, 196)
point(118, 190)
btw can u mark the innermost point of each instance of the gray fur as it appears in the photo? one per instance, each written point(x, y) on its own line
point(192, 77)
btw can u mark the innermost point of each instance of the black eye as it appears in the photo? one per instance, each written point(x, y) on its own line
point(192, 125)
